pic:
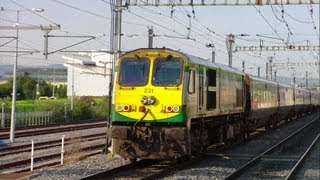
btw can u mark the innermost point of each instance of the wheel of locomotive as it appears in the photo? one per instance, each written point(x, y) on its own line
point(184, 158)
point(286, 119)
point(268, 126)
point(132, 160)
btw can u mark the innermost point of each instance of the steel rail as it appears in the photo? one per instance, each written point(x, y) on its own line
point(143, 169)
point(54, 125)
point(45, 157)
point(298, 165)
point(112, 172)
point(54, 130)
point(57, 162)
point(47, 144)
point(258, 158)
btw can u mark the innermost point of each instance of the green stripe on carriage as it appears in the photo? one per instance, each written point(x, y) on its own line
point(181, 117)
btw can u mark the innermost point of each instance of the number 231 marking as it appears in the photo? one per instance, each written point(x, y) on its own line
point(148, 90)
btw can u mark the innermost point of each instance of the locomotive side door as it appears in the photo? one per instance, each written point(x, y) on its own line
point(200, 89)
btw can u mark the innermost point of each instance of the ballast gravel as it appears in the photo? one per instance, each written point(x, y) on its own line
point(219, 168)
point(209, 168)
point(80, 169)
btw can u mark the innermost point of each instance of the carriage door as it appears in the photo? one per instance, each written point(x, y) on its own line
point(200, 88)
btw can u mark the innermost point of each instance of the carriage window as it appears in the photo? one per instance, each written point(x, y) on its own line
point(191, 84)
point(134, 71)
point(211, 74)
point(167, 71)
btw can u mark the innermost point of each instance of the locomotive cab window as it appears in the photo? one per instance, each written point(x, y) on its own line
point(167, 71)
point(134, 71)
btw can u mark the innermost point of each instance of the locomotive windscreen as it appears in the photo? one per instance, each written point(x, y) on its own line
point(134, 71)
point(167, 71)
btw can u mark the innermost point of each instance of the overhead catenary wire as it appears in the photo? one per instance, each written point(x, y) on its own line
point(222, 45)
point(312, 18)
point(194, 28)
point(8, 20)
point(186, 37)
point(92, 13)
point(37, 14)
point(290, 31)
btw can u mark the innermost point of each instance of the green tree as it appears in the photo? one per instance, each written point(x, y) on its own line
point(5, 90)
point(61, 91)
point(25, 87)
point(29, 87)
point(45, 89)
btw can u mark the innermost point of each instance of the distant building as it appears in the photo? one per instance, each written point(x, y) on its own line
point(88, 74)
point(50, 74)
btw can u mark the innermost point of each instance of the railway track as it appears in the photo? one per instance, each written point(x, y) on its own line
point(7, 129)
point(18, 157)
point(5, 151)
point(153, 170)
point(52, 129)
point(293, 174)
point(283, 157)
point(143, 169)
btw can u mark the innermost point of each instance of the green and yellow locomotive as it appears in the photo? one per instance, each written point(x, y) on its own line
point(167, 104)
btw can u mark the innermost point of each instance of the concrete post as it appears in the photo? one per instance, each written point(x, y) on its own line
point(65, 111)
point(32, 154)
point(3, 117)
point(62, 149)
point(92, 110)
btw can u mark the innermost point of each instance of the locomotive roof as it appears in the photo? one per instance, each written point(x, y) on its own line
point(209, 63)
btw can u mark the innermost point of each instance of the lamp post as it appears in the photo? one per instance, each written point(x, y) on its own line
point(14, 86)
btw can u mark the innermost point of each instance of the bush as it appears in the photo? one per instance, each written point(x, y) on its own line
point(57, 106)
point(102, 107)
point(82, 108)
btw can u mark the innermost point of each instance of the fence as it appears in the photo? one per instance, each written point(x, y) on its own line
point(27, 118)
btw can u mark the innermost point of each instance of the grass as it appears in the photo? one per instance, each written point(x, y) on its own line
point(74, 150)
point(82, 107)
point(30, 105)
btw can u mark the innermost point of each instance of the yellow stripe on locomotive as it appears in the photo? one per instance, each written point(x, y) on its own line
point(149, 87)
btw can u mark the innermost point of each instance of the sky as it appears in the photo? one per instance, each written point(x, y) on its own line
point(185, 28)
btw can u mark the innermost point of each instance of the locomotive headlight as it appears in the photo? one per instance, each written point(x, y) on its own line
point(119, 108)
point(172, 109)
point(151, 100)
point(144, 100)
point(124, 108)
point(176, 109)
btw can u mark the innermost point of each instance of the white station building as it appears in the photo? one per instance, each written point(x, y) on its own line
point(88, 73)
